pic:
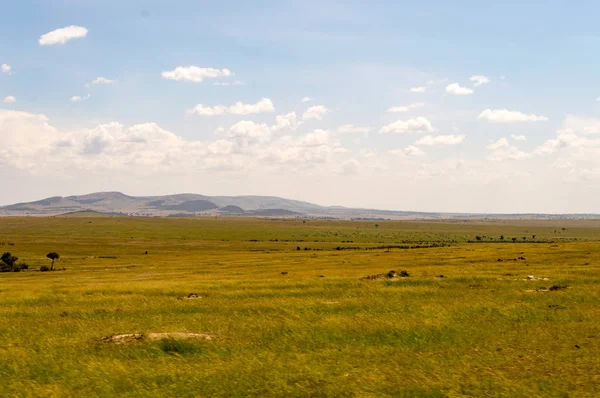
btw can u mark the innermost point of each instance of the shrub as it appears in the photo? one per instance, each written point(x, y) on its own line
point(8, 263)
point(404, 274)
point(177, 347)
point(44, 268)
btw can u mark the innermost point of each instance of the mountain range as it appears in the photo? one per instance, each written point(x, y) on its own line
point(188, 205)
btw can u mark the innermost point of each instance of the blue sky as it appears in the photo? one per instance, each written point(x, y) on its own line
point(354, 59)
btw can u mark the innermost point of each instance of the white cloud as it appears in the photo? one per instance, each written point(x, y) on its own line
point(5, 68)
point(63, 35)
point(306, 99)
point(285, 122)
point(368, 153)
point(598, 99)
point(441, 140)
point(417, 125)
point(10, 100)
point(350, 167)
point(100, 80)
point(508, 153)
point(318, 137)
point(582, 125)
point(408, 151)
point(501, 143)
point(233, 83)
point(564, 139)
point(195, 74)
point(418, 90)
point(518, 137)
point(479, 80)
point(265, 105)
point(246, 133)
point(399, 109)
point(456, 89)
point(77, 98)
point(502, 77)
point(506, 116)
point(351, 129)
point(315, 113)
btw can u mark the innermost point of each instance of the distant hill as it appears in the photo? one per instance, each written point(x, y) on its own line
point(191, 205)
point(232, 209)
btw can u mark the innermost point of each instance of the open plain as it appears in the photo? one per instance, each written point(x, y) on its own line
point(154, 307)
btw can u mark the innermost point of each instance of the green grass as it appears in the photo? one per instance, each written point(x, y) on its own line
point(478, 331)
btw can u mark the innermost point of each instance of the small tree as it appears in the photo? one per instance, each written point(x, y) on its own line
point(53, 256)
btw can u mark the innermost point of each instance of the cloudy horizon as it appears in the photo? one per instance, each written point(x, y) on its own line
point(448, 111)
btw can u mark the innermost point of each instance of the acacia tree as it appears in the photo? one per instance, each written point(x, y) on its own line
point(53, 256)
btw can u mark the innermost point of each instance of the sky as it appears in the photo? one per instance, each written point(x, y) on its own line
point(453, 106)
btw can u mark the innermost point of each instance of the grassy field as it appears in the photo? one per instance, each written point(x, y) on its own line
point(480, 330)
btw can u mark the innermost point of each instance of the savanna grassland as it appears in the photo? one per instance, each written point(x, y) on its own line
point(462, 324)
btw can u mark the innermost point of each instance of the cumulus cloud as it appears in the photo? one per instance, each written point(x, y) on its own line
point(501, 143)
point(264, 105)
point(501, 150)
point(63, 35)
point(456, 89)
point(582, 125)
point(350, 167)
point(77, 98)
point(418, 89)
point(246, 133)
point(5, 68)
point(508, 153)
point(518, 137)
point(286, 122)
point(10, 100)
point(441, 140)
point(315, 113)
point(479, 80)
point(506, 116)
point(195, 74)
point(417, 125)
point(306, 99)
point(406, 108)
point(408, 151)
point(352, 129)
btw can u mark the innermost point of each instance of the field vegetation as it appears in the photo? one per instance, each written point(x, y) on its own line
point(257, 307)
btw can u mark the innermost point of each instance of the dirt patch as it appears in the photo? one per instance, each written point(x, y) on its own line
point(390, 275)
point(123, 338)
point(133, 337)
point(535, 278)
